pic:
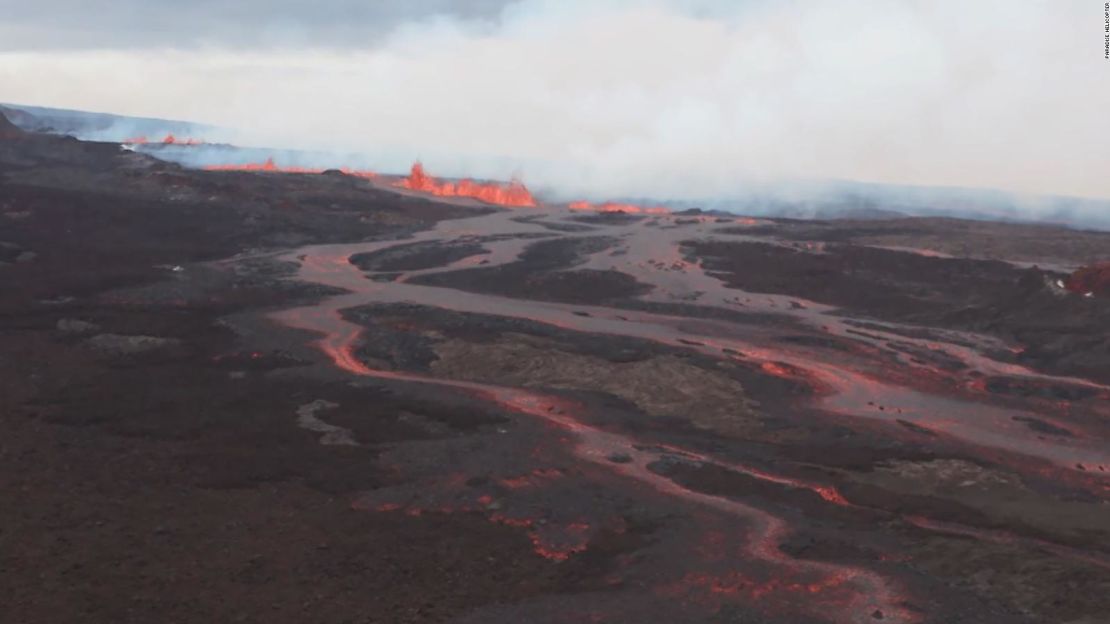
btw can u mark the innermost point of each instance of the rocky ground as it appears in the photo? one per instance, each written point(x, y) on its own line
point(554, 418)
point(153, 469)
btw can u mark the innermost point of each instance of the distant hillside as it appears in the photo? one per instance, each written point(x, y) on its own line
point(797, 199)
point(96, 126)
point(8, 130)
point(858, 200)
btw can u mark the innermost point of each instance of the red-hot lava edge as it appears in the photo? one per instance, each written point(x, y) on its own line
point(169, 139)
point(269, 166)
point(838, 592)
point(862, 591)
point(862, 388)
point(513, 194)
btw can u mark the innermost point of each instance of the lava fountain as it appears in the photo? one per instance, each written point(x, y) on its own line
point(513, 194)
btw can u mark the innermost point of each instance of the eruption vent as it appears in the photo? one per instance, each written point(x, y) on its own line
point(512, 194)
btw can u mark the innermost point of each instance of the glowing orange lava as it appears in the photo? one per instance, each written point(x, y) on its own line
point(270, 167)
point(169, 139)
point(616, 207)
point(512, 194)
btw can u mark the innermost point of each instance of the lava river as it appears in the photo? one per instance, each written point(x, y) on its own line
point(566, 475)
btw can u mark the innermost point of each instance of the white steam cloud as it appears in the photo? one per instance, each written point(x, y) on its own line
point(667, 99)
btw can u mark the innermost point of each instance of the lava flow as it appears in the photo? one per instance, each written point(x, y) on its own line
point(169, 139)
point(514, 194)
point(859, 592)
point(270, 167)
point(564, 467)
point(586, 206)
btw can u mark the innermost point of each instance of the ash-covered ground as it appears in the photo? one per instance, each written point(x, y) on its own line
point(309, 398)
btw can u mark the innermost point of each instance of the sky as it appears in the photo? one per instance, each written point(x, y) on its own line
point(662, 98)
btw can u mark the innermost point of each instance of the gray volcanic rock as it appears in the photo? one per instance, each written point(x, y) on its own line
point(76, 326)
point(116, 344)
point(14, 253)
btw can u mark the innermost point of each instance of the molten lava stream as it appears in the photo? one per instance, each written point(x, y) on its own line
point(850, 391)
point(169, 139)
point(269, 166)
point(841, 389)
point(586, 206)
point(866, 591)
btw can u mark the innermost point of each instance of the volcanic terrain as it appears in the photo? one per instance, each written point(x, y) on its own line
point(264, 396)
